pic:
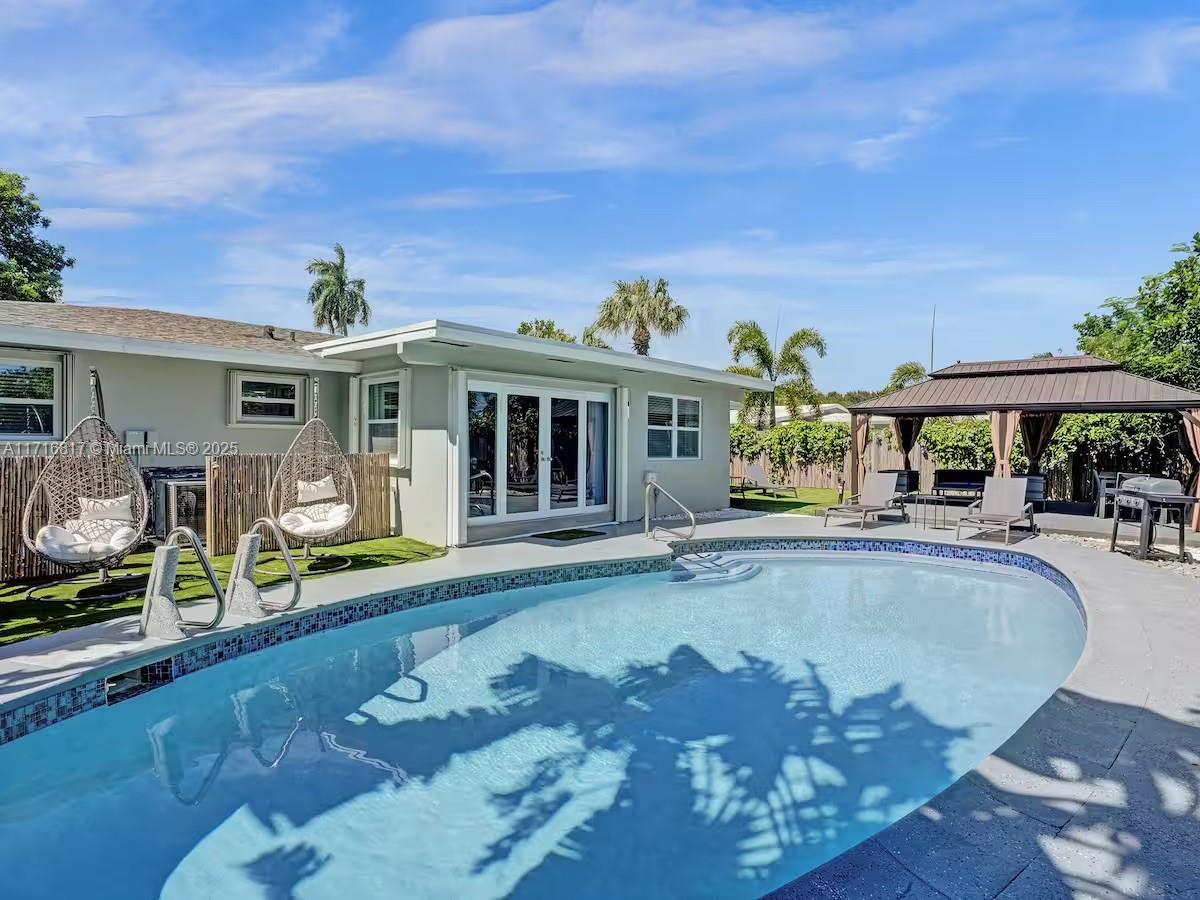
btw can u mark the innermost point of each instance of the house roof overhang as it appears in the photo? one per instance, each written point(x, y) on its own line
point(438, 342)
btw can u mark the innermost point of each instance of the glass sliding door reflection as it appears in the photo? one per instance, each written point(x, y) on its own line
point(597, 453)
point(481, 428)
point(564, 453)
point(523, 456)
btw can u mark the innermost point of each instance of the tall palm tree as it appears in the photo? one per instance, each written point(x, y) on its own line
point(905, 375)
point(788, 368)
point(638, 307)
point(338, 300)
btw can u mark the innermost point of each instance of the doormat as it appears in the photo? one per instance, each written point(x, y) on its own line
point(569, 534)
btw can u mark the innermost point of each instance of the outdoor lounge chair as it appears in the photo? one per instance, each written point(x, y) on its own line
point(878, 495)
point(757, 474)
point(1003, 503)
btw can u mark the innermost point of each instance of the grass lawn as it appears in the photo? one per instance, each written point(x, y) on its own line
point(70, 607)
point(808, 502)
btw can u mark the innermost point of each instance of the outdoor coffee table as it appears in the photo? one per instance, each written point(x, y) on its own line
point(923, 502)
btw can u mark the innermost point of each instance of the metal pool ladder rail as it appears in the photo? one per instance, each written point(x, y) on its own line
point(651, 532)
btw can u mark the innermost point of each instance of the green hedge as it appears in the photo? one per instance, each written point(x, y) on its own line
point(1131, 442)
point(792, 444)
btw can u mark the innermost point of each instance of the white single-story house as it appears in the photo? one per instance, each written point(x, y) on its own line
point(490, 433)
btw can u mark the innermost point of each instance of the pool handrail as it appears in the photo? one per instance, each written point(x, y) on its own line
point(650, 532)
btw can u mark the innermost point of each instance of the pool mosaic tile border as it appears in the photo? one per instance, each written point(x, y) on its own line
point(997, 557)
point(18, 721)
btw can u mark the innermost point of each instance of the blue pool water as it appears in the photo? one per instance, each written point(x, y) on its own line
point(627, 737)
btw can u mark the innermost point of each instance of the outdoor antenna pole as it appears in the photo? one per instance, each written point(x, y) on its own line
point(932, 328)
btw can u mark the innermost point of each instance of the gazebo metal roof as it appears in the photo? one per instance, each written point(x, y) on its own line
point(1065, 384)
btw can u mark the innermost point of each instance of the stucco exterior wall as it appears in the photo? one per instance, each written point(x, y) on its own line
point(700, 484)
point(422, 491)
point(186, 401)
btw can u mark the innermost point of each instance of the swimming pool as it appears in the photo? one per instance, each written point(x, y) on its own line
point(632, 736)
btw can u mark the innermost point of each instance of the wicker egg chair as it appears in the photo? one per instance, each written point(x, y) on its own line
point(313, 495)
point(87, 509)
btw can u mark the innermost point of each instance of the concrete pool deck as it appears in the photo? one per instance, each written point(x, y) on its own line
point(1097, 795)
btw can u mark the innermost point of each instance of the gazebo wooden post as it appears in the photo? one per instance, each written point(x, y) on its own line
point(1191, 428)
point(855, 453)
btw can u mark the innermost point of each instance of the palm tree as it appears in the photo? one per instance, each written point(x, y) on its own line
point(788, 368)
point(905, 375)
point(337, 299)
point(635, 306)
point(591, 338)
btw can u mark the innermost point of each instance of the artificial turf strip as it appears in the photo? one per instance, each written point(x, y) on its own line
point(569, 534)
point(70, 607)
point(808, 502)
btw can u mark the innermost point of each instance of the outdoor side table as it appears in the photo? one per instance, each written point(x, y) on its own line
point(923, 502)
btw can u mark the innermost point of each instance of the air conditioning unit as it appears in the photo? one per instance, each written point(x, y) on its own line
point(179, 501)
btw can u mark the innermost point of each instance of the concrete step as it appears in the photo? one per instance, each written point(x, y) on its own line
point(712, 568)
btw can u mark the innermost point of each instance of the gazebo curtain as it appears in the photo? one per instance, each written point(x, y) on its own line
point(1004, 435)
point(1191, 428)
point(906, 429)
point(1036, 431)
point(861, 437)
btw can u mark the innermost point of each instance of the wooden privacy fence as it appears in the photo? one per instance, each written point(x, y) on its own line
point(239, 485)
point(879, 456)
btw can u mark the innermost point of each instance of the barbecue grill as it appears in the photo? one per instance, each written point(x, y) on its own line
point(1149, 496)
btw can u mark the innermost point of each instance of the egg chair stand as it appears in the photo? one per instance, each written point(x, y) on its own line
point(88, 508)
point(314, 495)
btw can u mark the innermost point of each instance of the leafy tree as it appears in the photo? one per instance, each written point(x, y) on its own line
point(545, 328)
point(338, 300)
point(798, 444)
point(845, 398)
point(642, 309)
point(789, 368)
point(905, 375)
point(30, 267)
point(1155, 333)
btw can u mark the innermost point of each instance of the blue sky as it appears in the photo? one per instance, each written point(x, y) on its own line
point(843, 166)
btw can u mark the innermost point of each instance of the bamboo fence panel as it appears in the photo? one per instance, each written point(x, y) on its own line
point(238, 488)
point(17, 477)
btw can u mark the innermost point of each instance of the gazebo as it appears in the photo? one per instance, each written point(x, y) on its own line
point(1029, 394)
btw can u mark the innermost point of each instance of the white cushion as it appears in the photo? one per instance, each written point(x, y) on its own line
point(317, 520)
point(115, 508)
point(312, 491)
point(77, 541)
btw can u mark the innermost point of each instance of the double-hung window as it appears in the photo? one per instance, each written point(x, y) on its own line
point(385, 415)
point(31, 396)
point(266, 398)
point(672, 427)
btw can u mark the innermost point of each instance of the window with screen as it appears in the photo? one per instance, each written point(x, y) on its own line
point(672, 427)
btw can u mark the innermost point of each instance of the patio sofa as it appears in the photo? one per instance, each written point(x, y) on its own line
point(960, 481)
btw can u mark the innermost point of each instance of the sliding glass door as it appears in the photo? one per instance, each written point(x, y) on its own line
point(536, 452)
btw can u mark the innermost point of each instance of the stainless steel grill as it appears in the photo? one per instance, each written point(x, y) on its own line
point(1151, 496)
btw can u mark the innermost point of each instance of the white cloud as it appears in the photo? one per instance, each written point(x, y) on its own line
point(479, 198)
point(126, 119)
point(832, 261)
point(86, 217)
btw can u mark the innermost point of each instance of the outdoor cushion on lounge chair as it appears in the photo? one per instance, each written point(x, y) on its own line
point(877, 495)
point(1003, 503)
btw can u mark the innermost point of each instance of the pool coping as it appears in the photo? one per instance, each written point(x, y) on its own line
point(1021, 823)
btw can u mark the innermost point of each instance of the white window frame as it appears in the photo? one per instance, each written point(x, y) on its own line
point(401, 459)
point(57, 405)
point(300, 404)
point(674, 428)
